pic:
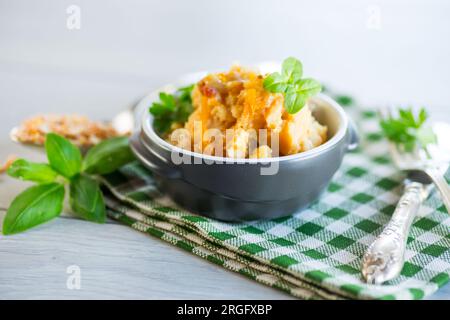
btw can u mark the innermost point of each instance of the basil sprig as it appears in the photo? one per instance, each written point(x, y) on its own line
point(296, 90)
point(44, 201)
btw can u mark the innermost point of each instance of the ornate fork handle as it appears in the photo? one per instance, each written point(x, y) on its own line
point(384, 258)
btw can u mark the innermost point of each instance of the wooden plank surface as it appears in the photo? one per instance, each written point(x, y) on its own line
point(115, 262)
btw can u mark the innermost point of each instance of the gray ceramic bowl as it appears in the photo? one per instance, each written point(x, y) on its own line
point(235, 189)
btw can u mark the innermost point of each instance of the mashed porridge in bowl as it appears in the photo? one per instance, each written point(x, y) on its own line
point(240, 145)
point(237, 101)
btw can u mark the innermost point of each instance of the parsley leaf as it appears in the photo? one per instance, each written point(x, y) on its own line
point(172, 108)
point(407, 130)
point(289, 82)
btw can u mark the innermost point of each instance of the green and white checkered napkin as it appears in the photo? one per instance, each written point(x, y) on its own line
point(312, 254)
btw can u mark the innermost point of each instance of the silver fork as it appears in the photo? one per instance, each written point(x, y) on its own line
point(384, 259)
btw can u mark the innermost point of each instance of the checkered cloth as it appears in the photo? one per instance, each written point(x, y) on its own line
point(312, 254)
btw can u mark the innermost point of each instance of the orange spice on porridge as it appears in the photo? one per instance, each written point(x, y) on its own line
point(237, 100)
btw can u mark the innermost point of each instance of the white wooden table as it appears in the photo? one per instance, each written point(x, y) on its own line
point(126, 48)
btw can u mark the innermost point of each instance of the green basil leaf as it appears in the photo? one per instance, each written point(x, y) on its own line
point(63, 156)
point(308, 87)
point(291, 70)
point(30, 171)
point(296, 90)
point(293, 101)
point(108, 156)
point(36, 205)
point(86, 198)
point(275, 83)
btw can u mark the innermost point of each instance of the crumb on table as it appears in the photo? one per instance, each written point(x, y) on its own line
point(78, 129)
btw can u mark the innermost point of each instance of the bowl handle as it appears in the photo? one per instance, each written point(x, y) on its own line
point(157, 166)
point(353, 136)
point(150, 160)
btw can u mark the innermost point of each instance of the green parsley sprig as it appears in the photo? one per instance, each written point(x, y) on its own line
point(408, 131)
point(296, 90)
point(172, 108)
point(44, 201)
